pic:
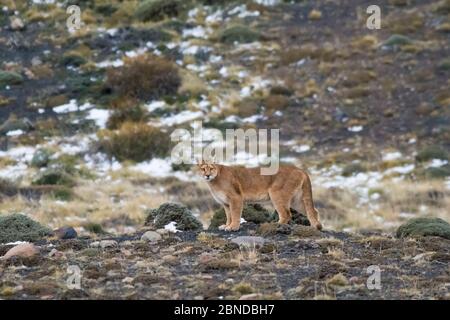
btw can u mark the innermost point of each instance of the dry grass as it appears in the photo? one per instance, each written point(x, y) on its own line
point(398, 202)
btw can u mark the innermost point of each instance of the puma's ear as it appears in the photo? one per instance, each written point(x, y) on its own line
point(200, 161)
point(213, 160)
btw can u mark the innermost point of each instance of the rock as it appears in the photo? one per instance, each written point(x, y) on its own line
point(251, 296)
point(151, 236)
point(104, 244)
point(55, 253)
point(249, 241)
point(16, 24)
point(423, 227)
point(65, 233)
point(18, 227)
point(169, 212)
point(23, 250)
point(162, 231)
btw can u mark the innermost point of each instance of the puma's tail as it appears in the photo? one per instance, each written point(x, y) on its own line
point(308, 203)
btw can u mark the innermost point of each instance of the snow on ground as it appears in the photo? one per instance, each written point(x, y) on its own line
point(181, 117)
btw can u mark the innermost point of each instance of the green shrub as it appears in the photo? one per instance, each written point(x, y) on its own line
point(444, 65)
point(158, 9)
point(240, 34)
point(251, 213)
point(124, 110)
point(169, 212)
point(53, 176)
point(430, 153)
point(94, 228)
point(145, 77)
point(72, 59)
point(422, 227)
point(18, 227)
point(352, 169)
point(397, 40)
point(438, 173)
point(10, 78)
point(41, 158)
point(135, 141)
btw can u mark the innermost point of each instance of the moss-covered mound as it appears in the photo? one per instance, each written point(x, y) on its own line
point(239, 33)
point(251, 213)
point(257, 214)
point(169, 212)
point(53, 177)
point(18, 227)
point(297, 218)
point(422, 227)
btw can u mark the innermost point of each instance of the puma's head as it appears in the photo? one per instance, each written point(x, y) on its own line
point(209, 171)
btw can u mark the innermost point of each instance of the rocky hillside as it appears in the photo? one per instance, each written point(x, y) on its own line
point(262, 261)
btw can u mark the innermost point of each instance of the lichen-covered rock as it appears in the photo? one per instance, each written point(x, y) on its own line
point(18, 227)
point(422, 227)
point(251, 213)
point(169, 212)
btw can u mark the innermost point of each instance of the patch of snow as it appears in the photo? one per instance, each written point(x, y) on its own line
point(436, 163)
point(154, 105)
point(181, 117)
point(99, 116)
point(110, 63)
point(15, 133)
point(301, 148)
point(197, 32)
point(392, 156)
point(401, 169)
point(355, 128)
point(72, 106)
point(171, 227)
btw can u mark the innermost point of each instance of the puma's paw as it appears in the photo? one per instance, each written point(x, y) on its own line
point(223, 227)
point(232, 228)
point(318, 226)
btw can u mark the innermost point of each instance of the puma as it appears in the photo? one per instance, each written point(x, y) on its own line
point(232, 186)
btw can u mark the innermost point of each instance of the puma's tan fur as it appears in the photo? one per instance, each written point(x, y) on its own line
point(232, 186)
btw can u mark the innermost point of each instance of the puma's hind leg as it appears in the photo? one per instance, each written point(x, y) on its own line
point(281, 205)
point(299, 205)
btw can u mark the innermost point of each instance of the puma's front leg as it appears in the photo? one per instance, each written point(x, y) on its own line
point(226, 207)
point(236, 205)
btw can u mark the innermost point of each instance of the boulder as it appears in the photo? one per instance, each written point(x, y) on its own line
point(65, 233)
point(151, 236)
point(23, 250)
point(249, 241)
